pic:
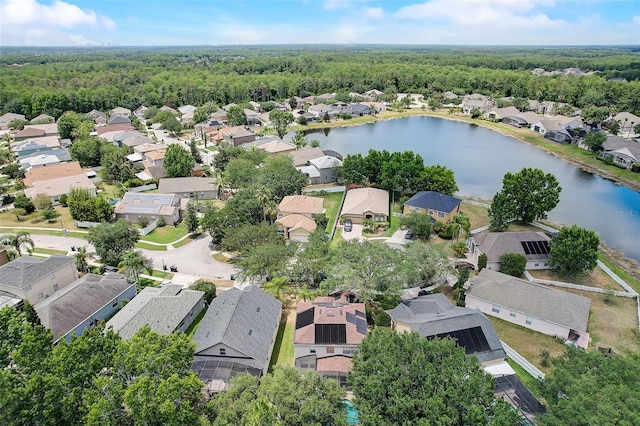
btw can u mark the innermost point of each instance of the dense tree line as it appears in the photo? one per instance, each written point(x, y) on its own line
point(55, 81)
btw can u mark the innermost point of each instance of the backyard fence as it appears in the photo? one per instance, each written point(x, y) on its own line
point(522, 362)
point(147, 229)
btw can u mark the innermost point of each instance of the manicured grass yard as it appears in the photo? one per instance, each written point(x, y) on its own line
point(331, 205)
point(597, 278)
point(143, 245)
point(283, 348)
point(166, 234)
point(48, 251)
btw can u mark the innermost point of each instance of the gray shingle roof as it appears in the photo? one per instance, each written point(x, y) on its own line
point(434, 201)
point(26, 269)
point(434, 315)
point(161, 308)
point(495, 244)
point(182, 184)
point(557, 306)
point(245, 320)
point(75, 303)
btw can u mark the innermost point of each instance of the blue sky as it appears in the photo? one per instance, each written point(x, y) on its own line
point(216, 22)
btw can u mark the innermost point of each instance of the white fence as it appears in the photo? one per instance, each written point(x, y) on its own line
point(143, 188)
point(147, 230)
point(522, 362)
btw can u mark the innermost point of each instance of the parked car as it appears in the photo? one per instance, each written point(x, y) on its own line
point(408, 235)
point(348, 225)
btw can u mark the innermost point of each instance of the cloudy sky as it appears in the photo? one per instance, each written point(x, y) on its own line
point(215, 22)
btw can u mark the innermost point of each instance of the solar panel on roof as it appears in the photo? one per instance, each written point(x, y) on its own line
point(360, 314)
point(472, 340)
point(332, 334)
point(351, 318)
point(305, 318)
point(525, 247)
point(545, 245)
point(361, 326)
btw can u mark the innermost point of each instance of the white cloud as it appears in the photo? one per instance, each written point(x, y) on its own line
point(339, 4)
point(373, 12)
point(636, 20)
point(30, 22)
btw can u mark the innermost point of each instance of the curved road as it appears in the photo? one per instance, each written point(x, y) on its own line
point(193, 260)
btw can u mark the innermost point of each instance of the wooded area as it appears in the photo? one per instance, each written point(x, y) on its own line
point(51, 81)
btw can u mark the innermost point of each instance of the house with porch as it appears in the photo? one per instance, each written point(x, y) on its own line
point(327, 333)
point(366, 203)
point(441, 207)
point(624, 152)
point(534, 306)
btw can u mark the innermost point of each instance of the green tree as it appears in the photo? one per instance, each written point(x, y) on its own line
point(459, 248)
point(178, 162)
point(280, 176)
point(531, 192)
point(236, 116)
point(365, 268)
point(202, 113)
point(247, 236)
point(86, 151)
point(112, 240)
point(595, 140)
point(513, 264)
point(84, 206)
point(419, 224)
point(299, 139)
point(195, 152)
point(280, 120)
point(574, 251)
point(424, 265)
point(608, 386)
point(18, 242)
point(241, 173)
point(67, 124)
point(133, 263)
point(82, 257)
point(412, 369)
point(482, 261)
point(501, 213)
point(436, 178)
point(278, 287)
point(208, 287)
point(22, 202)
point(115, 166)
point(42, 201)
point(171, 123)
point(266, 260)
point(310, 262)
point(191, 218)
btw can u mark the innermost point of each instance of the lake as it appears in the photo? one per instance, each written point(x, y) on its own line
point(480, 158)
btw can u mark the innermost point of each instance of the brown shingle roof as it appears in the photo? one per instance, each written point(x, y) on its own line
point(52, 172)
point(302, 204)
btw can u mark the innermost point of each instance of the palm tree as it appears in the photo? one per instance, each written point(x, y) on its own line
point(278, 287)
point(82, 256)
point(263, 195)
point(133, 263)
point(270, 210)
point(18, 241)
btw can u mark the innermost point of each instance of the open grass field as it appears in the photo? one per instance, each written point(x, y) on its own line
point(613, 324)
point(9, 219)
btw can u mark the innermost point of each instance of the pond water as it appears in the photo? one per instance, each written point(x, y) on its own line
point(480, 158)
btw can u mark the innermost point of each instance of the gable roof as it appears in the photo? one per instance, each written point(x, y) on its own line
point(162, 309)
point(243, 319)
point(303, 204)
point(58, 186)
point(153, 204)
point(434, 201)
point(556, 306)
point(119, 119)
point(330, 320)
point(302, 156)
point(52, 172)
point(80, 300)
point(495, 244)
point(189, 183)
point(121, 111)
point(360, 200)
point(297, 221)
point(325, 162)
point(29, 133)
point(10, 116)
point(435, 316)
point(25, 270)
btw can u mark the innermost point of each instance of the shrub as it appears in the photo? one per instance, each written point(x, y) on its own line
point(8, 199)
point(512, 264)
point(22, 202)
point(63, 199)
point(161, 222)
point(482, 261)
point(382, 319)
point(459, 248)
point(144, 221)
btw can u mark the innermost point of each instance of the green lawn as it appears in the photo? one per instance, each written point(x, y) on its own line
point(190, 331)
point(48, 251)
point(185, 241)
point(283, 348)
point(44, 232)
point(143, 245)
point(534, 385)
point(632, 281)
point(331, 205)
point(162, 274)
point(166, 234)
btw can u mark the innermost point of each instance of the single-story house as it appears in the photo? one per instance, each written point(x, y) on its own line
point(29, 146)
point(83, 303)
point(296, 227)
point(296, 216)
point(312, 174)
point(140, 112)
point(502, 113)
point(434, 316)
point(197, 188)
point(476, 101)
point(55, 188)
point(165, 310)
point(627, 122)
point(366, 203)
point(120, 111)
point(440, 207)
point(134, 206)
point(534, 246)
point(537, 307)
point(373, 94)
point(119, 120)
point(624, 152)
point(53, 171)
point(34, 279)
point(7, 118)
point(98, 117)
point(39, 160)
point(272, 145)
point(327, 333)
point(236, 335)
point(302, 157)
point(29, 133)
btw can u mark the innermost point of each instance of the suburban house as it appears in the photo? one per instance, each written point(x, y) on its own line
point(253, 117)
point(120, 111)
point(32, 145)
point(83, 303)
point(476, 101)
point(624, 152)
point(502, 113)
point(366, 203)
point(165, 310)
point(534, 306)
point(534, 246)
point(171, 110)
point(7, 118)
point(134, 206)
point(557, 123)
point(296, 216)
point(98, 117)
point(234, 136)
point(440, 207)
point(194, 188)
point(236, 335)
point(34, 279)
point(627, 122)
point(271, 145)
point(119, 119)
point(434, 316)
point(55, 188)
point(140, 112)
point(327, 333)
point(329, 168)
point(302, 157)
point(372, 95)
point(42, 160)
point(29, 133)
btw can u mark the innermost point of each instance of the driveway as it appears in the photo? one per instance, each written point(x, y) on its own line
point(354, 234)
